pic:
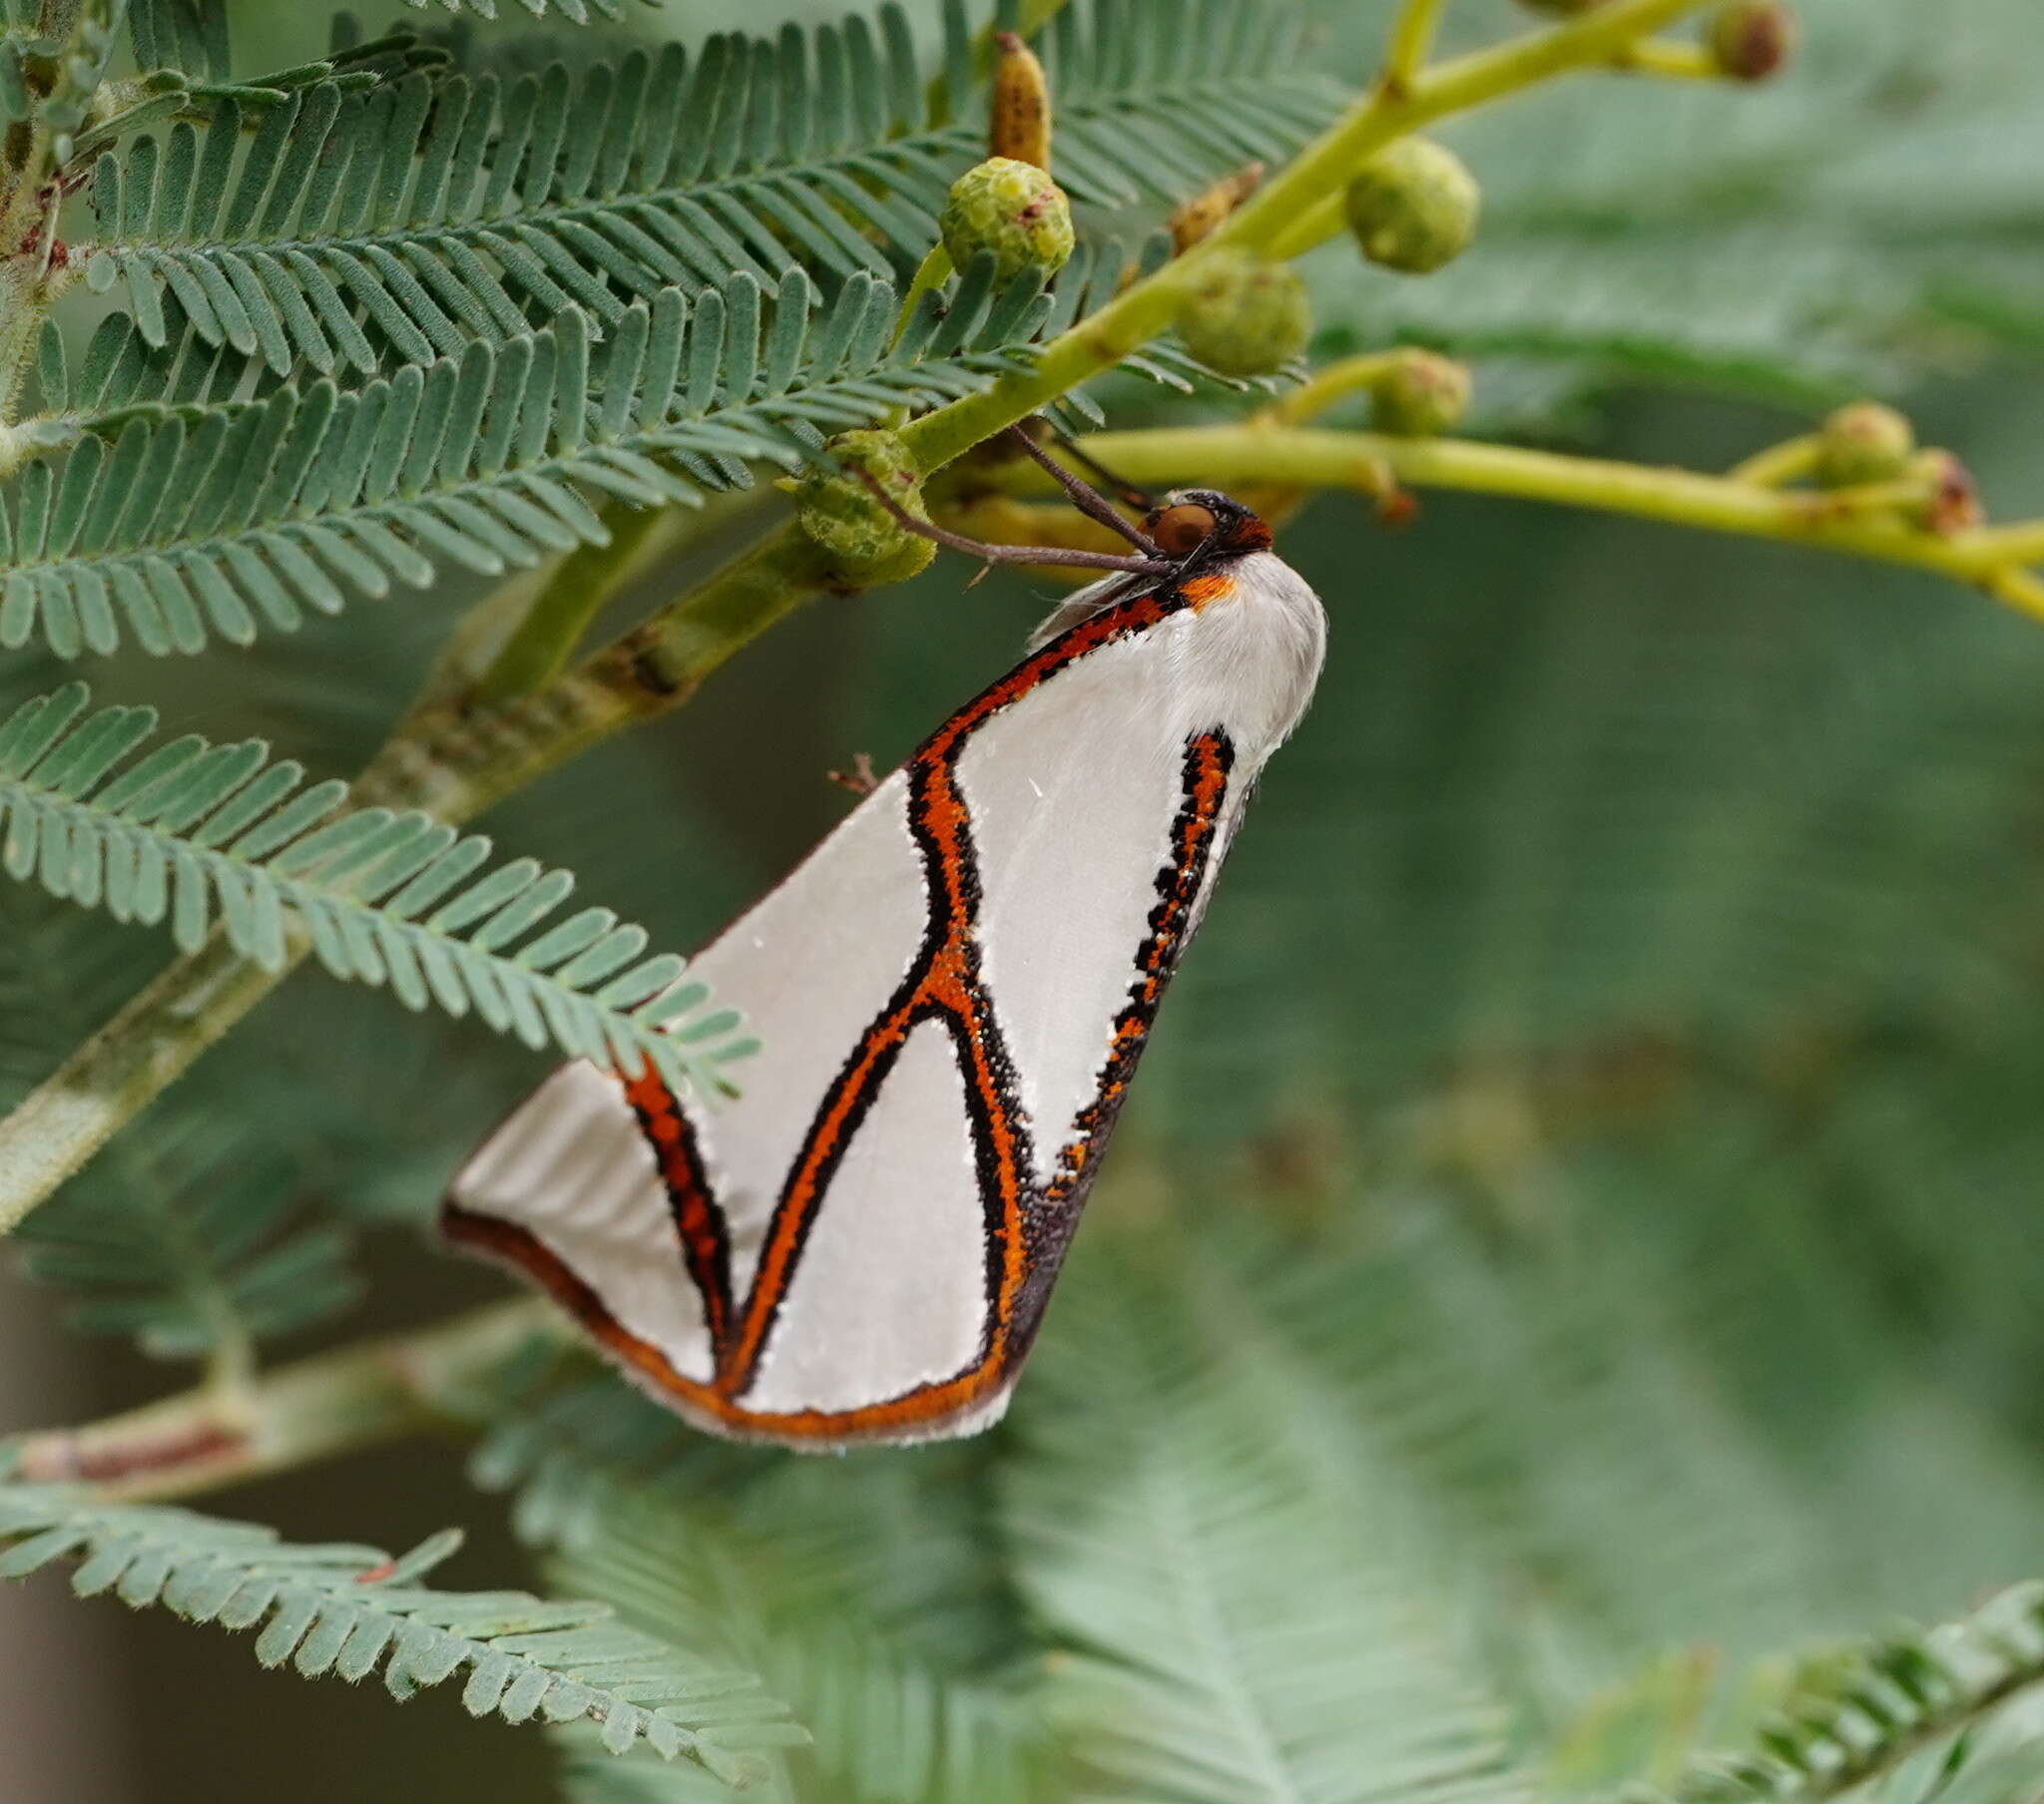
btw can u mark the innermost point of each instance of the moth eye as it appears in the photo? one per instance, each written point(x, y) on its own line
point(1182, 529)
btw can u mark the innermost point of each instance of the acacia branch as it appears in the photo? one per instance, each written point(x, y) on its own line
point(332, 1403)
point(1313, 458)
point(1290, 214)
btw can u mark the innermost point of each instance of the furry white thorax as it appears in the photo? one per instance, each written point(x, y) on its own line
point(1246, 660)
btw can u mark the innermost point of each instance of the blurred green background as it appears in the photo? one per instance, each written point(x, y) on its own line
point(1636, 957)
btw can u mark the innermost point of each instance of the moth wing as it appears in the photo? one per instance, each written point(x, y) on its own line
point(952, 992)
point(594, 1195)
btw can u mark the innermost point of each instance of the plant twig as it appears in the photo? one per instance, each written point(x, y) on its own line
point(1838, 521)
point(1411, 41)
point(330, 1404)
point(1290, 214)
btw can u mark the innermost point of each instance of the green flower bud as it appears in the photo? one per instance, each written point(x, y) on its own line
point(1751, 39)
point(1865, 442)
point(1013, 210)
point(1414, 206)
point(1242, 316)
point(866, 544)
point(1421, 395)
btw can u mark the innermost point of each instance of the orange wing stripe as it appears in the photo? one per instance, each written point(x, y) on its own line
point(1025, 1232)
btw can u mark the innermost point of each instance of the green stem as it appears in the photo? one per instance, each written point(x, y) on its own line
point(1326, 385)
point(1319, 459)
point(2021, 542)
point(1310, 183)
point(120, 1071)
point(1411, 42)
point(330, 1404)
point(540, 645)
point(929, 274)
point(455, 759)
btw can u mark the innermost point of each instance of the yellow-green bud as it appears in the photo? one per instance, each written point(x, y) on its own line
point(1421, 394)
point(1414, 206)
point(1242, 316)
point(1013, 210)
point(866, 544)
point(1751, 39)
point(1865, 442)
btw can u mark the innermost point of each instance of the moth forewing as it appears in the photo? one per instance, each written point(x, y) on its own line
point(952, 992)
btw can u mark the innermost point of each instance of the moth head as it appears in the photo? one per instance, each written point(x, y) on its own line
point(1205, 523)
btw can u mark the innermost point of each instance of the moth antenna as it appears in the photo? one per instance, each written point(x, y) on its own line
point(1015, 554)
point(1123, 488)
point(1087, 499)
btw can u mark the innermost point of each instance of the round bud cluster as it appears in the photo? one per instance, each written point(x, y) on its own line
point(1751, 39)
point(1414, 206)
point(1865, 442)
point(866, 543)
point(1012, 208)
point(1242, 316)
point(1419, 395)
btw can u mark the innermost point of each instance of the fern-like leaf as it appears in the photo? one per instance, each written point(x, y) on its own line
point(186, 521)
point(450, 209)
point(1865, 1712)
point(1241, 1629)
point(354, 1611)
point(889, 1728)
point(192, 832)
point(188, 1239)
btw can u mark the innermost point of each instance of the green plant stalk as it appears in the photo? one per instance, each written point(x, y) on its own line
point(540, 645)
point(1836, 521)
point(330, 1404)
point(121, 1068)
point(1411, 41)
point(1315, 177)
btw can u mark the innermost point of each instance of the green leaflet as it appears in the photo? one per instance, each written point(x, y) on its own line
point(448, 207)
point(1250, 1616)
point(195, 834)
point(1857, 1711)
point(774, 1594)
point(179, 517)
point(190, 1242)
point(356, 1613)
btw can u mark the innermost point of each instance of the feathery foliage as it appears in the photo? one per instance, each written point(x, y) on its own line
point(191, 1245)
point(183, 520)
point(357, 1612)
point(1247, 1632)
point(450, 209)
point(1580, 1262)
point(1856, 1712)
point(193, 833)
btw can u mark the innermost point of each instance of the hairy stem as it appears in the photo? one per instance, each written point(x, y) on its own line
point(330, 1404)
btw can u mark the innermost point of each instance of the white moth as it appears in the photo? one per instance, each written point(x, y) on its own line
point(952, 992)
